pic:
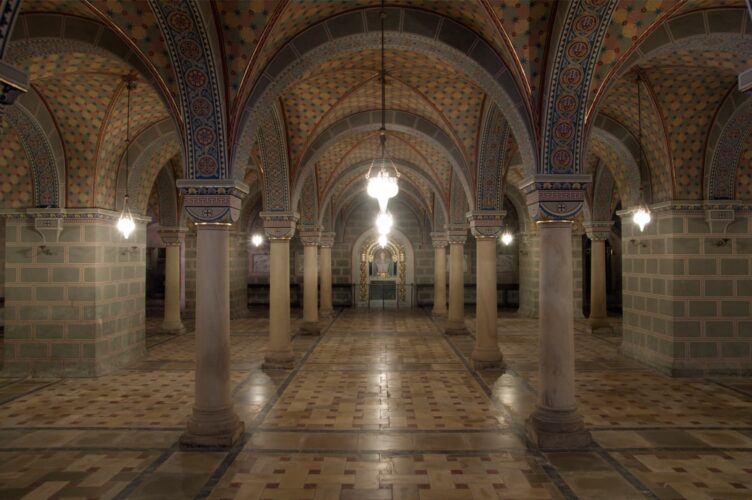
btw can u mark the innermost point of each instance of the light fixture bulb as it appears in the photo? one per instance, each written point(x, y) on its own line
point(642, 218)
point(383, 241)
point(382, 186)
point(384, 223)
point(257, 240)
point(507, 238)
point(125, 224)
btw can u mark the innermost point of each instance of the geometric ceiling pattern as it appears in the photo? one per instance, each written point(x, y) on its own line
point(688, 54)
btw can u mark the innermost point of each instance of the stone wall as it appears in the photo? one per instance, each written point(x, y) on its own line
point(189, 312)
point(238, 274)
point(687, 292)
point(74, 307)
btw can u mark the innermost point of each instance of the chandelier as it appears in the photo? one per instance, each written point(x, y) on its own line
point(641, 217)
point(125, 224)
point(382, 184)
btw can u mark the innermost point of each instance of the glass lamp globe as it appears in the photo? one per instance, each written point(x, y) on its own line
point(382, 241)
point(384, 223)
point(257, 240)
point(507, 238)
point(641, 217)
point(125, 224)
point(382, 186)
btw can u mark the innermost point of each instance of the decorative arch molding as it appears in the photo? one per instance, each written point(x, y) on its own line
point(578, 46)
point(41, 141)
point(603, 192)
point(399, 121)
point(406, 29)
point(31, 38)
point(249, 213)
point(272, 141)
point(143, 149)
point(458, 205)
point(309, 203)
point(726, 138)
point(625, 149)
point(363, 166)
point(494, 137)
point(169, 211)
point(201, 89)
point(366, 241)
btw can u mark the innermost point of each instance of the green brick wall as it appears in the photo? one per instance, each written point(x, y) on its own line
point(688, 294)
point(75, 307)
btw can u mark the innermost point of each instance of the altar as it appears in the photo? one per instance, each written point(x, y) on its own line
point(382, 275)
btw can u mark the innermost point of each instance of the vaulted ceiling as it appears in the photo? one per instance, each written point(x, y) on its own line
point(687, 53)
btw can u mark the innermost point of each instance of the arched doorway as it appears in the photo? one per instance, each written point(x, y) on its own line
point(384, 277)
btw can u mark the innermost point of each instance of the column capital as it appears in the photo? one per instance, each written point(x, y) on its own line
point(172, 236)
point(279, 225)
point(456, 235)
point(310, 235)
point(439, 239)
point(327, 239)
point(486, 224)
point(599, 230)
point(555, 196)
point(207, 200)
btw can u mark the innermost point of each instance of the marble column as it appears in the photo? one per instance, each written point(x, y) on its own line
point(439, 240)
point(310, 238)
point(280, 228)
point(173, 239)
point(213, 421)
point(326, 309)
point(486, 228)
point(556, 423)
point(456, 315)
point(598, 233)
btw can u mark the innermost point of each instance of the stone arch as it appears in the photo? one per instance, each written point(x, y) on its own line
point(625, 149)
point(458, 205)
point(400, 121)
point(327, 197)
point(406, 28)
point(494, 138)
point(40, 138)
point(726, 137)
point(309, 203)
point(395, 235)
point(159, 140)
point(169, 210)
point(579, 39)
point(275, 172)
point(201, 90)
point(46, 34)
point(603, 192)
point(514, 196)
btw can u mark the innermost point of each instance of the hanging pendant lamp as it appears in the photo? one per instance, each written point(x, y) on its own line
point(641, 217)
point(125, 224)
point(382, 185)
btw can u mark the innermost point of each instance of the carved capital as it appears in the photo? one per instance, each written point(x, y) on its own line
point(599, 230)
point(555, 197)
point(172, 236)
point(439, 239)
point(456, 235)
point(279, 225)
point(327, 239)
point(486, 224)
point(207, 200)
point(310, 235)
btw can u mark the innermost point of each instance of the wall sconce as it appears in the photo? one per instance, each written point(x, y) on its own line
point(638, 244)
point(44, 249)
point(722, 242)
point(130, 250)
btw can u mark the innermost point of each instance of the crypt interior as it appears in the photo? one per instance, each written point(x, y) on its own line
point(352, 249)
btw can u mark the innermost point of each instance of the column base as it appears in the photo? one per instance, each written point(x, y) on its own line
point(212, 428)
point(487, 360)
point(310, 329)
point(173, 328)
point(438, 314)
point(456, 328)
point(283, 360)
point(596, 324)
point(557, 429)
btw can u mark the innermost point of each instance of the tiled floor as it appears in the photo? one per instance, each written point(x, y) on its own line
point(382, 406)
